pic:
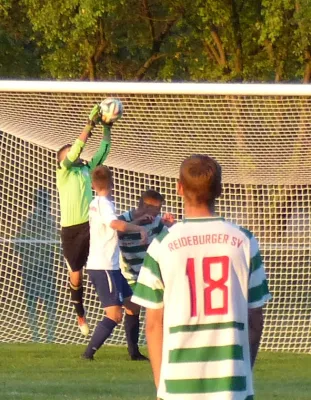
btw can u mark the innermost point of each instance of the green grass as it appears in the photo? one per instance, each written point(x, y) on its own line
point(55, 372)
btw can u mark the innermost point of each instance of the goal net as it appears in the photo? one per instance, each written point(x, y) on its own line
point(259, 133)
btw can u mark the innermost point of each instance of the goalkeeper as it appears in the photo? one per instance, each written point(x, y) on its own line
point(75, 194)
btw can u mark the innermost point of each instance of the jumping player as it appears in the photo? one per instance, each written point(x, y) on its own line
point(204, 285)
point(75, 193)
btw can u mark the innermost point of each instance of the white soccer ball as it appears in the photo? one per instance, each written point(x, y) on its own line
point(111, 110)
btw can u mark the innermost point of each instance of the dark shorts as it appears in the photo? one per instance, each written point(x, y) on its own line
point(76, 243)
point(111, 286)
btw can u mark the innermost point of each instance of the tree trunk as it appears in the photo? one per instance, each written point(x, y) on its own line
point(142, 70)
point(307, 72)
point(92, 69)
point(238, 41)
point(156, 45)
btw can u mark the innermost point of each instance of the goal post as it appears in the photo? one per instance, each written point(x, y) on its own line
point(259, 133)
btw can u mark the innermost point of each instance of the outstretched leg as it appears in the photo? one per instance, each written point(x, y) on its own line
point(103, 330)
point(75, 242)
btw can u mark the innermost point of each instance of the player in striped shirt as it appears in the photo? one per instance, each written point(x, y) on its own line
point(133, 252)
point(204, 285)
point(75, 193)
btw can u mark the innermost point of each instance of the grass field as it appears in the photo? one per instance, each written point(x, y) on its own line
point(55, 372)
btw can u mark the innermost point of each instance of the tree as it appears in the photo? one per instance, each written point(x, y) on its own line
point(102, 40)
point(19, 55)
point(201, 40)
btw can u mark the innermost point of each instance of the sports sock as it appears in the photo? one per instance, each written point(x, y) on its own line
point(102, 332)
point(131, 325)
point(76, 293)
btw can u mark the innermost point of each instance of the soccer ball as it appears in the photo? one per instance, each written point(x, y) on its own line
point(111, 110)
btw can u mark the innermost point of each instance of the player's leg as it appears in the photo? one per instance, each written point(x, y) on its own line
point(107, 286)
point(48, 296)
point(31, 305)
point(49, 305)
point(131, 323)
point(75, 241)
point(76, 294)
point(105, 327)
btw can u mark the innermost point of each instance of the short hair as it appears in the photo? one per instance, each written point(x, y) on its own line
point(151, 194)
point(59, 153)
point(200, 177)
point(102, 177)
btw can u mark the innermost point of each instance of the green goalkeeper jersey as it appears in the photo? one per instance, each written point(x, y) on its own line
point(73, 182)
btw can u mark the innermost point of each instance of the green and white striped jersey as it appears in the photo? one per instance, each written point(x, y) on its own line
point(206, 273)
point(133, 252)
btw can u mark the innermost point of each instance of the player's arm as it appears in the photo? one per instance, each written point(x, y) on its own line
point(258, 295)
point(109, 218)
point(104, 148)
point(255, 328)
point(154, 336)
point(126, 227)
point(143, 219)
point(148, 293)
point(168, 220)
point(76, 149)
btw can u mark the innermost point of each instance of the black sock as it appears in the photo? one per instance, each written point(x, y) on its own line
point(131, 325)
point(102, 332)
point(76, 293)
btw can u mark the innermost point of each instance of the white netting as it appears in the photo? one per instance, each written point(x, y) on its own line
point(263, 143)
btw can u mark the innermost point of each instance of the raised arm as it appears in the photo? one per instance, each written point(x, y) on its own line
point(76, 149)
point(104, 148)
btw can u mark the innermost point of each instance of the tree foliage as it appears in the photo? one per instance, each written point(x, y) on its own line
point(20, 56)
point(201, 40)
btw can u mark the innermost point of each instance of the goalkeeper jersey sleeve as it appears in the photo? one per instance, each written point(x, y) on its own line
point(73, 154)
point(103, 151)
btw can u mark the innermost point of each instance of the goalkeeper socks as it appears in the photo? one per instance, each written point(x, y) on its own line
point(76, 293)
point(131, 325)
point(102, 332)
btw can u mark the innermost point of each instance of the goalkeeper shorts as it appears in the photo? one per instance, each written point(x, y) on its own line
point(76, 244)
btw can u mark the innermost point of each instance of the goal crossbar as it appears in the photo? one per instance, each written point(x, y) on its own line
point(227, 89)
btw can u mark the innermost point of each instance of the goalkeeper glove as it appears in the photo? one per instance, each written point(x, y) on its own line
point(95, 115)
point(94, 118)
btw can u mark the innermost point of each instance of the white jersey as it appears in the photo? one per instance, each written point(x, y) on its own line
point(104, 249)
point(206, 273)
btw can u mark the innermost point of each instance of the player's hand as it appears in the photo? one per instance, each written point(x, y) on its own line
point(144, 236)
point(168, 219)
point(95, 115)
point(105, 123)
point(143, 219)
